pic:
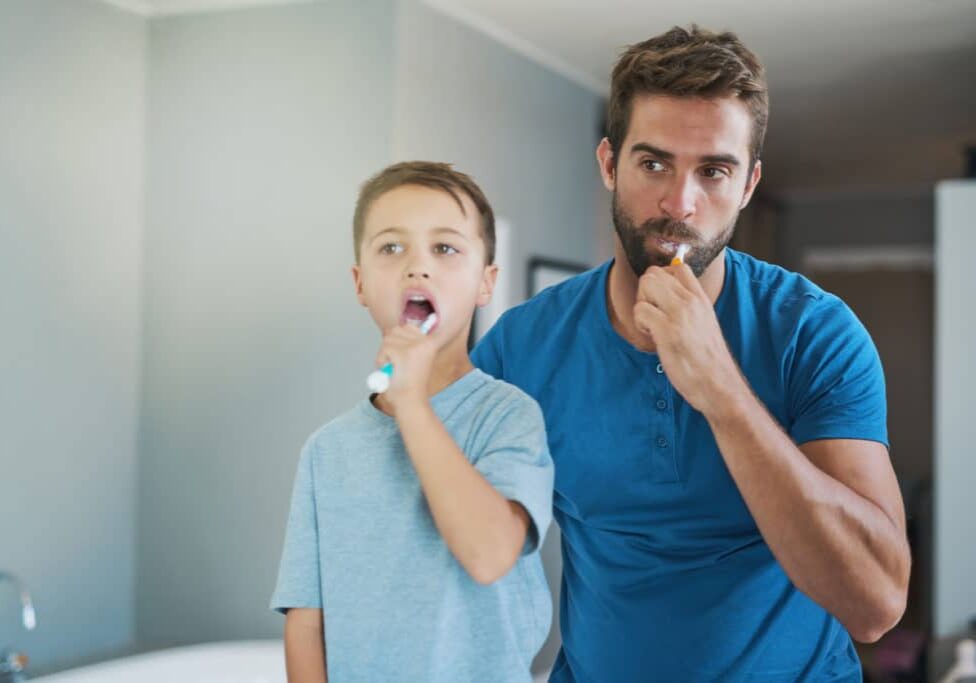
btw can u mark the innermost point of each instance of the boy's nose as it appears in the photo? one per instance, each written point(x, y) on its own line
point(416, 273)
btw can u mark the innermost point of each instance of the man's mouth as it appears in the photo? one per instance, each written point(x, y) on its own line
point(418, 305)
point(669, 246)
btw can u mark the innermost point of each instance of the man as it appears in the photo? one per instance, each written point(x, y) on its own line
point(727, 505)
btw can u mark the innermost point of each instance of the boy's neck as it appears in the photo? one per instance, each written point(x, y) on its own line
point(449, 367)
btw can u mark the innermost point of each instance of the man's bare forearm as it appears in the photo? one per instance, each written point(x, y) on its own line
point(838, 547)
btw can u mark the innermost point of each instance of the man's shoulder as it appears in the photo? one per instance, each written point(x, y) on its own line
point(762, 278)
point(565, 299)
point(776, 291)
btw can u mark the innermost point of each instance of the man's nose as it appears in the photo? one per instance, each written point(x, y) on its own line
point(679, 201)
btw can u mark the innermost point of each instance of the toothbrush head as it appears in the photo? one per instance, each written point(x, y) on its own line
point(378, 382)
point(679, 255)
point(428, 324)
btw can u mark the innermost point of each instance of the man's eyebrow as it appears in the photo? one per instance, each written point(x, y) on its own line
point(651, 149)
point(729, 159)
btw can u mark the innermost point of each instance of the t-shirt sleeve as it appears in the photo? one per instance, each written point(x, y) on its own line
point(836, 384)
point(515, 460)
point(298, 574)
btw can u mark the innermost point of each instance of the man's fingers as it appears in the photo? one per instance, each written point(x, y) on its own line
point(662, 288)
point(683, 274)
point(648, 317)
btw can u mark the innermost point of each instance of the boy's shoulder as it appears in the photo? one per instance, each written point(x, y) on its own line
point(486, 401)
point(478, 399)
point(502, 397)
point(351, 425)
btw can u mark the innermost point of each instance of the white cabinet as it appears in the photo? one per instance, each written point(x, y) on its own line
point(955, 406)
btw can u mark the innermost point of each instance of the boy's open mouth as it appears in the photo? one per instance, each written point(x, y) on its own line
point(417, 306)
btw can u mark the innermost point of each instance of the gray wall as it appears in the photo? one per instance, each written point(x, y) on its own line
point(215, 337)
point(527, 136)
point(955, 426)
point(262, 123)
point(71, 161)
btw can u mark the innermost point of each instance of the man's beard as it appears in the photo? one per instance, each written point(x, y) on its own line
point(634, 239)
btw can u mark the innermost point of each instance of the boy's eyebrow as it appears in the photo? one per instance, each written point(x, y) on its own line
point(729, 159)
point(397, 230)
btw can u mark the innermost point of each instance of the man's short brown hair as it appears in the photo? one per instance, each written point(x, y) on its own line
point(683, 63)
point(430, 174)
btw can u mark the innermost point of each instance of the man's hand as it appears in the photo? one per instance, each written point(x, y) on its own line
point(679, 316)
point(412, 354)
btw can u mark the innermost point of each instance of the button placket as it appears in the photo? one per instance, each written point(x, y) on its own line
point(661, 452)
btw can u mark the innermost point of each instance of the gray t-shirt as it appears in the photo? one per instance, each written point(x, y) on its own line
point(362, 546)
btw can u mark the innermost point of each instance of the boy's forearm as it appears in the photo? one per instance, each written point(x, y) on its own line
point(483, 530)
point(305, 658)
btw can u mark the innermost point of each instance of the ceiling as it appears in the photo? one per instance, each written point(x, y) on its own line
point(865, 93)
point(862, 92)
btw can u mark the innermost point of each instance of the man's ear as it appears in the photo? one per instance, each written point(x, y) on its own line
point(357, 279)
point(751, 184)
point(607, 164)
point(487, 288)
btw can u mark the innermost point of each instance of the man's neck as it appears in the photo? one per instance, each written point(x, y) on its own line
point(622, 296)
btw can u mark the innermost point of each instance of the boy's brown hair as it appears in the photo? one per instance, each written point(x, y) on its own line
point(430, 174)
point(682, 63)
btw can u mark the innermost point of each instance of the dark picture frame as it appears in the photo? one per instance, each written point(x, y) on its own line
point(544, 272)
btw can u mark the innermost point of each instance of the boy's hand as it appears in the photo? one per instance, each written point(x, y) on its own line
point(412, 354)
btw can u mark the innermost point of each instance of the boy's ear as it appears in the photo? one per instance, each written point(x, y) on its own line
point(357, 279)
point(488, 279)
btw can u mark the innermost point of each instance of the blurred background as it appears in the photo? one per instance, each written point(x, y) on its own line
point(177, 180)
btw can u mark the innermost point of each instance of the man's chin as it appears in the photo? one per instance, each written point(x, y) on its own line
point(640, 265)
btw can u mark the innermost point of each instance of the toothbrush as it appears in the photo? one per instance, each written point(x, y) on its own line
point(379, 380)
point(679, 255)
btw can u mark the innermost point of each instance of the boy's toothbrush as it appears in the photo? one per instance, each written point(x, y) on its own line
point(679, 255)
point(379, 380)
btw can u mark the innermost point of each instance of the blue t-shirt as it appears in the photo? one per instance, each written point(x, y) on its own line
point(665, 574)
point(362, 546)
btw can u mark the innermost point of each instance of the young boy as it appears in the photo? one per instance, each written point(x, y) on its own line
point(411, 552)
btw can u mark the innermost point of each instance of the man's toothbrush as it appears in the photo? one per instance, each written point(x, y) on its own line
point(379, 380)
point(679, 255)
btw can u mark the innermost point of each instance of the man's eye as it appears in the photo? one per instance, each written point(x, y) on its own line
point(445, 249)
point(652, 165)
point(391, 248)
point(715, 172)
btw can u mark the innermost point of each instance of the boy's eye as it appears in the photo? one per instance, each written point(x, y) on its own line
point(445, 249)
point(391, 248)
